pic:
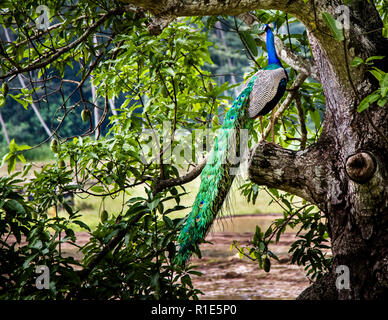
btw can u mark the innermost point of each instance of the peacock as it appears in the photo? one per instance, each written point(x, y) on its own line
point(259, 96)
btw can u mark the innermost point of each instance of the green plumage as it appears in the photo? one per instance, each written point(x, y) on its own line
point(255, 100)
point(216, 179)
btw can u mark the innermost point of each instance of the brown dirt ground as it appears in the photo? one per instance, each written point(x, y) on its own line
point(226, 276)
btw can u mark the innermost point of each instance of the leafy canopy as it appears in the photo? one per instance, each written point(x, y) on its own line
point(106, 46)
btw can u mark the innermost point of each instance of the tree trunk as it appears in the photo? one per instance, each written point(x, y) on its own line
point(345, 172)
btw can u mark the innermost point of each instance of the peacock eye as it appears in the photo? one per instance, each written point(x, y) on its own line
point(232, 117)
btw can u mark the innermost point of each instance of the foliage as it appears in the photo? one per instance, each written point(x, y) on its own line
point(36, 240)
point(140, 267)
point(380, 95)
point(142, 258)
point(310, 248)
point(154, 80)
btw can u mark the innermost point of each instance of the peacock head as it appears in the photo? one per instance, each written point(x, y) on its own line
point(268, 27)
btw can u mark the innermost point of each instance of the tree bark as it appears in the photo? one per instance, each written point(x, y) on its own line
point(353, 193)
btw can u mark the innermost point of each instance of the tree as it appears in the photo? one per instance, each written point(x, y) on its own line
point(345, 172)
point(341, 169)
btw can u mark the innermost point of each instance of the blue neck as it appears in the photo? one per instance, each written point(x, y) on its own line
point(272, 56)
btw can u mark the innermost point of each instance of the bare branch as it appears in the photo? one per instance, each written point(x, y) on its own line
point(302, 121)
point(214, 7)
point(190, 176)
point(292, 91)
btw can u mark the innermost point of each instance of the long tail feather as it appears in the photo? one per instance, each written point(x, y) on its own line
point(216, 178)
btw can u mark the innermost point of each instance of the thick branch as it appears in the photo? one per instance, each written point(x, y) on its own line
point(296, 172)
point(215, 7)
point(158, 24)
point(323, 289)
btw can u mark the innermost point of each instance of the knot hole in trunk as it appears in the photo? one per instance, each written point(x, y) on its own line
point(360, 167)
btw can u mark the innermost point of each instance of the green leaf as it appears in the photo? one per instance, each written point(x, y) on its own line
point(385, 32)
point(197, 273)
point(365, 103)
point(334, 26)
point(15, 206)
point(2, 100)
point(268, 232)
point(382, 102)
point(23, 102)
point(374, 58)
point(22, 147)
point(26, 169)
point(384, 85)
point(168, 222)
point(356, 62)
point(97, 189)
point(68, 208)
point(170, 71)
point(29, 259)
point(82, 224)
point(186, 280)
point(11, 163)
point(377, 73)
point(12, 145)
point(316, 118)
point(21, 158)
point(274, 191)
point(250, 42)
point(153, 204)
